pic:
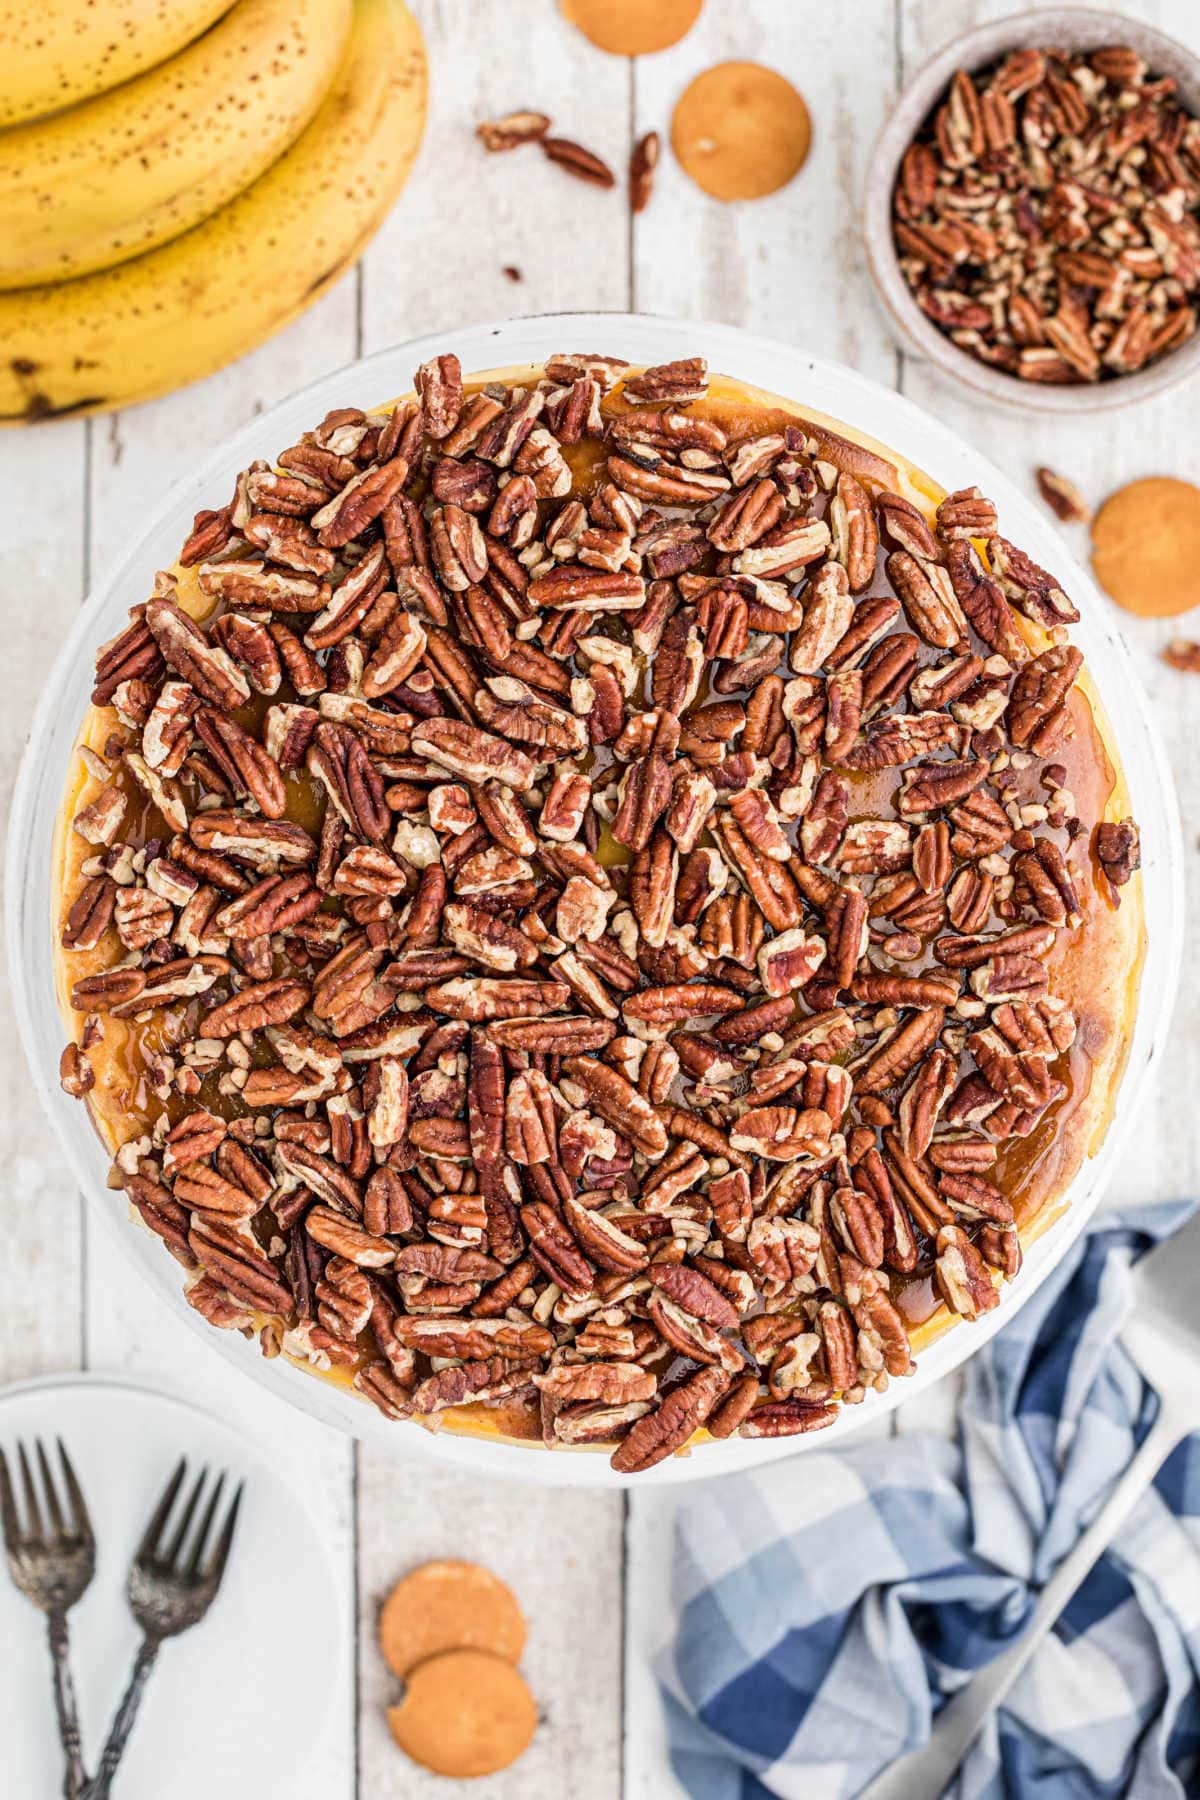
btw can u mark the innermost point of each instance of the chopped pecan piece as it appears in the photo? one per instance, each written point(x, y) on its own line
point(787, 1418)
point(672, 384)
point(554, 1249)
point(608, 1093)
point(473, 754)
point(203, 665)
point(508, 133)
point(1039, 698)
point(661, 1433)
point(1118, 850)
point(577, 161)
point(962, 1276)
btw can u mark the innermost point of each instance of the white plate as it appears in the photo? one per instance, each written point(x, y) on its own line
point(235, 1706)
point(780, 368)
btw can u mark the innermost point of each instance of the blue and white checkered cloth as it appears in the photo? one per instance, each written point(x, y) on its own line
point(827, 1604)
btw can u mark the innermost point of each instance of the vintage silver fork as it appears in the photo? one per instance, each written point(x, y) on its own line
point(1162, 1335)
point(171, 1587)
point(52, 1559)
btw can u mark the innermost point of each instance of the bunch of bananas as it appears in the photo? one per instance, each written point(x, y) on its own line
point(178, 178)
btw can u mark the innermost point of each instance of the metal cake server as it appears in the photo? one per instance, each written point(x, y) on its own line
point(1162, 1335)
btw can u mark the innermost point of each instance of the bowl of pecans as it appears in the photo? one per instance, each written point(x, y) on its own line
point(580, 912)
point(1032, 214)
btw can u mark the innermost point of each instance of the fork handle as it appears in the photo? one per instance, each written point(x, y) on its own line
point(122, 1725)
point(74, 1773)
point(930, 1769)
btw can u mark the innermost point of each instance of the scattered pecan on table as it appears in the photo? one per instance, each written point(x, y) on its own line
point(1046, 216)
point(643, 161)
point(659, 970)
point(1063, 497)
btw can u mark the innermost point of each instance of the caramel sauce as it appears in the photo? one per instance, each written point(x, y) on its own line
point(1095, 968)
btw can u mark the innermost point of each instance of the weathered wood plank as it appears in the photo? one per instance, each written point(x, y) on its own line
point(42, 475)
point(649, 1622)
point(440, 259)
point(560, 1551)
point(789, 265)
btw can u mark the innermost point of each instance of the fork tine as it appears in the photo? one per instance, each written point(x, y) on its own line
point(162, 1512)
point(50, 1493)
point(202, 1531)
point(81, 1522)
point(170, 1555)
point(8, 1507)
point(32, 1509)
point(220, 1555)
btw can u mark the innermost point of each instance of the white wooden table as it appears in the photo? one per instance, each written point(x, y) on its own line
point(589, 1568)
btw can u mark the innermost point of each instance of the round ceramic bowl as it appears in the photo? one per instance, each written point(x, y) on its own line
point(822, 386)
point(1071, 28)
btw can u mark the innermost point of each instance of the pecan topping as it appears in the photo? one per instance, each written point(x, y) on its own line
point(929, 600)
point(983, 602)
point(1119, 851)
point(614, 1383)
point(607, 1092)
point(602, 1239)
point(576, 933)
point(1039, 697)
point(554, 1250)
point(75, 1072)
point(695, 1293)
point(786, 1418)
point(961, 1274)
point(204, 665)
point(439, 382)
point(673, 383)
point(680, 1413)
point(91, 914)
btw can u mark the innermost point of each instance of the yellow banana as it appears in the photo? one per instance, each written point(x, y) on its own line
point(112, 178)
point(57, 52)
point(185, 309)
